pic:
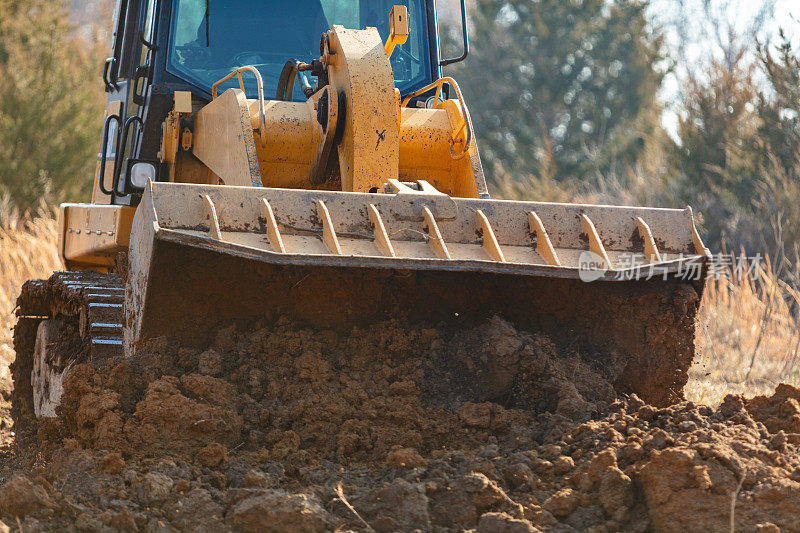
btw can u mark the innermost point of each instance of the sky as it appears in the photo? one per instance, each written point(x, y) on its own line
point(789, 11)
point(703, 24)
point(701, 34)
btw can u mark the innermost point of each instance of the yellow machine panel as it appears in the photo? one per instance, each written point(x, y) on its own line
point(93, 235)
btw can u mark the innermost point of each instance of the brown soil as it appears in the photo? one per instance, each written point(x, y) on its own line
point(393, 429)
point(647, 324)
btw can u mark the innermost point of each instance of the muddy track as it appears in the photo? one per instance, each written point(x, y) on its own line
point(87, 307)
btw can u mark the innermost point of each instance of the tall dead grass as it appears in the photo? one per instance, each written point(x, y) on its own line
point(28, 250)
point(748, 335)
point(748, 332)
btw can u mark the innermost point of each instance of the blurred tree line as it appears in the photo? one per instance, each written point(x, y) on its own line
point(564, 98)
point(51, 104)
point(562, 89)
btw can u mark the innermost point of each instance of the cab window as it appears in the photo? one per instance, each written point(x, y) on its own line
point(211, 38)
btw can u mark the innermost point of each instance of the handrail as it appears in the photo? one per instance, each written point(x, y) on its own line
point(123, 142)
point(104, 153)
point(467, 119)
point(261, 109)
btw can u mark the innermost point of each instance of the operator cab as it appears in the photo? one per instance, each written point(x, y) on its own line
point(164, 46)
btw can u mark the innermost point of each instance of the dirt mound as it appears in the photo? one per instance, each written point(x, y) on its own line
point(394, 429)
point(313, 395)
point(780, 412)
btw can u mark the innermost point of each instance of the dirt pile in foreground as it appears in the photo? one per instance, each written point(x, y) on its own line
point(394, 429)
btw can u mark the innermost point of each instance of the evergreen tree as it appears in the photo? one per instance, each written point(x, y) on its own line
point(51, 103)
point(738, 155)
point(562, 89)
point(779, 151)
point(780, 110)
point(716, 159)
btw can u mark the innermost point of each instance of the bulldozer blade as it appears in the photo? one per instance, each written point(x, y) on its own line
point(620, 285)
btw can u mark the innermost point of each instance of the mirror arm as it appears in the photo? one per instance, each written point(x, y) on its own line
point(465, 31)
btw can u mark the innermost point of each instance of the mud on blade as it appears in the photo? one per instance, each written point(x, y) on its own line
point(203, 257)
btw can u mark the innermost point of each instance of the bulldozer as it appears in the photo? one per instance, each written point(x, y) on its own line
point(309, 160)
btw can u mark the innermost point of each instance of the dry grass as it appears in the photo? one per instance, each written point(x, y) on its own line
point(748, 336)
point(28, 249)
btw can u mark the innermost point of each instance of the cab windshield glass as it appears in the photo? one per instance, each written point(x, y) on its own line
point(211, 38)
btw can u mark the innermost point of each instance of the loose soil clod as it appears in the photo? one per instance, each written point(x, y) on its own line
point(489, 429)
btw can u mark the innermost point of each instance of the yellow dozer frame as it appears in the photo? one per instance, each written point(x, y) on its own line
point(353, 207)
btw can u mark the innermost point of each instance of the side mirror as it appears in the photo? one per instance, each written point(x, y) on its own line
point(465, 32)
point(398, 32)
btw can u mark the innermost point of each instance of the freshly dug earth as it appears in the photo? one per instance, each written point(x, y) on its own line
point(393, 429)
